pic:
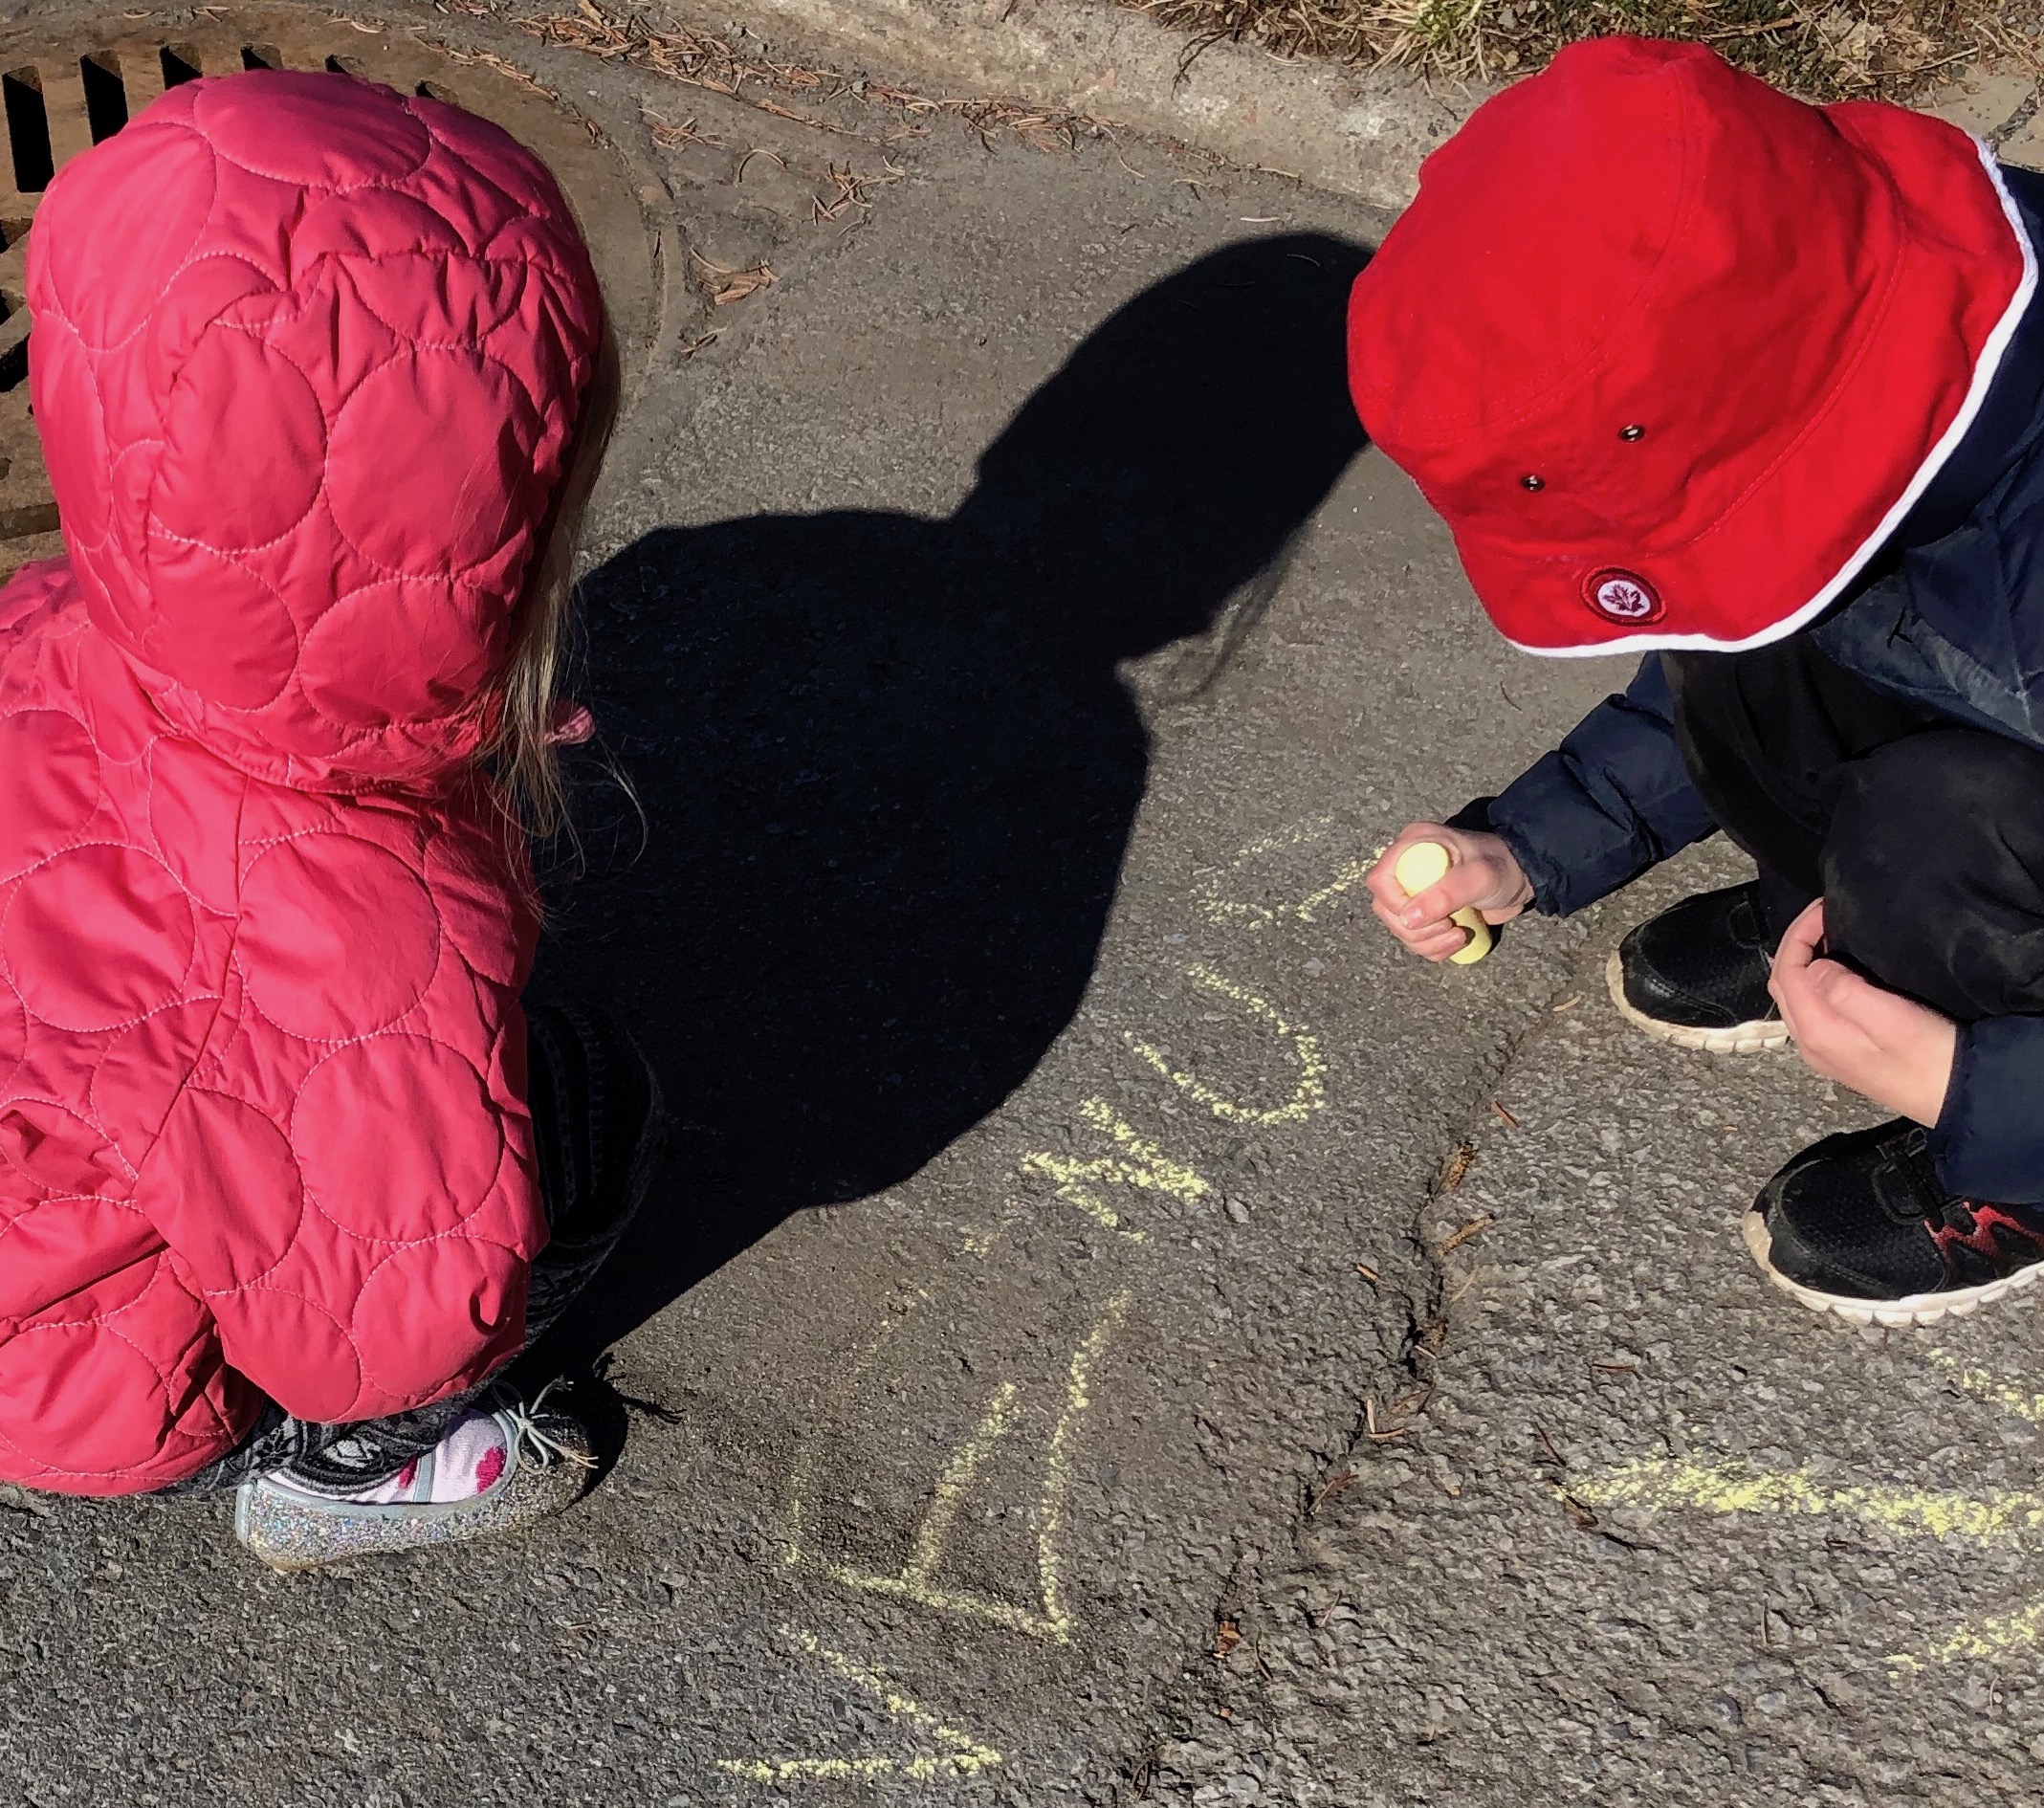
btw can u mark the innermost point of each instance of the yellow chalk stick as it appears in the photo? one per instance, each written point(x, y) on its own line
point(1426, 863)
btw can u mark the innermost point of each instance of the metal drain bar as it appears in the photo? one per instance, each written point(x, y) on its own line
point(58, 99)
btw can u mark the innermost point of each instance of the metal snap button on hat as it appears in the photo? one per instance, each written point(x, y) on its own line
point(1622, 596)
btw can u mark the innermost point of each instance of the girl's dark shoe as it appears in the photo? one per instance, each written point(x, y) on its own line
point(1859, 1224)
point(1697, 975)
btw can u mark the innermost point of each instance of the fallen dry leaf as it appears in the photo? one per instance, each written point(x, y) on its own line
point(737, 283)
point(744, 284)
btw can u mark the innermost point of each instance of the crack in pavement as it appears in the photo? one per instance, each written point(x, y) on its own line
point(1426, 1303)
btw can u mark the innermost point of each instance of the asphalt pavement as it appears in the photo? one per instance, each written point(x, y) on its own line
point(1111, 1329)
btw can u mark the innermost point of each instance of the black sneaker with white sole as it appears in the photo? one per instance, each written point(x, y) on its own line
point(1697, 975)
point(1860, 1225)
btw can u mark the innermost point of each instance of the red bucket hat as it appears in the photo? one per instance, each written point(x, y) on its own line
point(1673, 353)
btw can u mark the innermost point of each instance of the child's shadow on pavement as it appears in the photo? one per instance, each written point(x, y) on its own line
point(888, 769)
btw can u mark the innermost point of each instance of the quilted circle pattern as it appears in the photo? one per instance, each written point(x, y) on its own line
point(40, 818)
point(339, 939)
point(195, 815)
point(308, 359)
point(431, 503)
point(409, 651)
point(418, 1176)
point(241, 1202)
point(53, 1381)
point(342, 135)
point(13, 1035)
point(207, 488)
point(160, 189)
point(97, 938)
point(477, 1306)
point(486, 921)
point(139, 1076)
point(109, 700)
point(350, 344)
point(317, 1367)
point(79, 459)
point(49, 1149)
point(218, 624)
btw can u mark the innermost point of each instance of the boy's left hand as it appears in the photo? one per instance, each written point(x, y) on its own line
point(1887, 1047)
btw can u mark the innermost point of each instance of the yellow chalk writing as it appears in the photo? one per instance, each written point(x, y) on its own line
point(961, 1755)
point(1983, 1386)
point(1308, 1097)
point(1229, 913)
point(1057, 1463)
point(1731, 1488)
point(950, 1486)
point(1140, 1164)
point(916, 1580)
point(1982, 1638)
point(1734, 1487)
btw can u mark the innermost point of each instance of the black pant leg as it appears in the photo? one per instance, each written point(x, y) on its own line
point(1765, 735)
point(600, 1126)
point(1933, 872)
point(1925, 839)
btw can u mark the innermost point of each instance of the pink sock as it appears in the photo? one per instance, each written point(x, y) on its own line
point(464, 1464)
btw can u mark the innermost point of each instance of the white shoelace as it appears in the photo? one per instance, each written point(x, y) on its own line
point(524, 1421)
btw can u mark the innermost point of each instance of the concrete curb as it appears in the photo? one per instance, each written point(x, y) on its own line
point(1355, 132)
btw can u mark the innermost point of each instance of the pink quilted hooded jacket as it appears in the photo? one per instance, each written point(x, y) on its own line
point(307, 361)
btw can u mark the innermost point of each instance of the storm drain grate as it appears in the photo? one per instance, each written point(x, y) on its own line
point(59, 99)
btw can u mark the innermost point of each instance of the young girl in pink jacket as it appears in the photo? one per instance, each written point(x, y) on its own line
point(285, 1174)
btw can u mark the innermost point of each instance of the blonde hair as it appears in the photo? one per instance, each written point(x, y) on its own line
point(521, 749)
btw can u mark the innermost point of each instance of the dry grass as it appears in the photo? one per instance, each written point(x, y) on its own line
point(1885, 49)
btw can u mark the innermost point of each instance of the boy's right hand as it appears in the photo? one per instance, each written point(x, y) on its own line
point(1484, 877)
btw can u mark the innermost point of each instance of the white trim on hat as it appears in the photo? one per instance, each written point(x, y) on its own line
point(1984, 373)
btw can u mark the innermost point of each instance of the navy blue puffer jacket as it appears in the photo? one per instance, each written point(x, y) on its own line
point(1950, 616)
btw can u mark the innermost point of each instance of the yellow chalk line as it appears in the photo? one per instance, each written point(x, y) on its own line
point(1350, 876)
point(1222, 912)
point(1731, 1488)
point(1307, 1097)
point(1154, 1169)
point(914, 1582)
point(1728, 1488)
point(1993, 1636)
point(967, 1756)
point(963, 1602)
point(958, 1477)
point(1997, 1634)
point(1077, 1399)
point(1983, 1386)
point(798, 1475)
point(1142, 1166)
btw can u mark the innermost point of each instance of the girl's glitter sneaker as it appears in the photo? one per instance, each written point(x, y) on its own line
point(498, 1467)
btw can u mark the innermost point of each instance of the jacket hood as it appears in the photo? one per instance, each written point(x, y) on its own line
point(308, 359)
